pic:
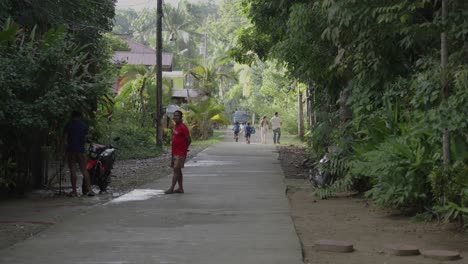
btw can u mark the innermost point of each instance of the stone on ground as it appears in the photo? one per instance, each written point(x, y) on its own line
point(334, 246)
point(441, 254)
point(401, 250)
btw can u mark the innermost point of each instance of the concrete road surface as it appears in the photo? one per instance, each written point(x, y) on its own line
point(234, 211)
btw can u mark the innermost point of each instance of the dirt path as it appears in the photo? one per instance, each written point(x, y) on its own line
point(358, 221)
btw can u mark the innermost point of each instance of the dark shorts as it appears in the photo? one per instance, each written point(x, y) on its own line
point(178, 162)
point(247, 135)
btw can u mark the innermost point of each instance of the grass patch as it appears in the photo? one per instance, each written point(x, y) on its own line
point(137, 146)
point(139, 152)
point(288, 139)
point(217, 136)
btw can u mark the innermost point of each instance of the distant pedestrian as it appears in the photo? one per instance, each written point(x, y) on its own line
point(180, 142)
point(276, 127)
point(75, 137)
point(236, 130)
point(248, 133)
point(264, 124)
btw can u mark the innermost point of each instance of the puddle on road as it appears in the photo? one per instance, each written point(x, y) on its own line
point(138, 195)
point(207, 163)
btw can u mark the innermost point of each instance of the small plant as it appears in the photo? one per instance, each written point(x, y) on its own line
point(7, 170)
point(450, 186)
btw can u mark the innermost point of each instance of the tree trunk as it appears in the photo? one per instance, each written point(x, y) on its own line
point(142, 101)
point(314, 115)
point(345, 111)
point(309, 106)
point(159, 107)
point(445, 82)
point(300, 121)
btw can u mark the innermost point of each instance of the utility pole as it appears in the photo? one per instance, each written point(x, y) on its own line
point(300, 114)
point(159, 108)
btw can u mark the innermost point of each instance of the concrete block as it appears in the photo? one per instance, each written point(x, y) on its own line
point(441, 254)
point(334, 246)
point(401, 250)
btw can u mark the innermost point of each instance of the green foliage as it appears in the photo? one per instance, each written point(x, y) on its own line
point(399, 168)
point(450, 186)
point(44, 79)
point(123, 21)
point(52, 60)
point(136, 141)
point(7, 172)
point(200, 118)
point(386, 56)
point(116, 43)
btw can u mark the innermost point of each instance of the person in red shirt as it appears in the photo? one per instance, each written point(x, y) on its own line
point(180, 142)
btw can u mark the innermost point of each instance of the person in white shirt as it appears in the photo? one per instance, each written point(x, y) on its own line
point(276, 127)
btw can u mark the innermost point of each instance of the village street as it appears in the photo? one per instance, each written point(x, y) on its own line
point(234, 211)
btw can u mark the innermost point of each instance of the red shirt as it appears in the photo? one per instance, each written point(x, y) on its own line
point(179, 140)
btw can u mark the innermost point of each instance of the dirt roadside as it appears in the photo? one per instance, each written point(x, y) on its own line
point(358, 221)
point(23, 218)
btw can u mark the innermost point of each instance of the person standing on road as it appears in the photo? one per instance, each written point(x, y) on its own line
point(248, 132)
point(75, 137)
point(276, 127)
point(180, 142)
point(264, 124)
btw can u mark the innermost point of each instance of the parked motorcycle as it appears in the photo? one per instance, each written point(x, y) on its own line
point(100, 163)
point(319, 176)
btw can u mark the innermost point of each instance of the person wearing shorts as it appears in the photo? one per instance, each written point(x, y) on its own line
point(75, 135)
point(248, 133)
point(180, 142)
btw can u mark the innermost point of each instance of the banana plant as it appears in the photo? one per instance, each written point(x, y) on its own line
point(201, 117)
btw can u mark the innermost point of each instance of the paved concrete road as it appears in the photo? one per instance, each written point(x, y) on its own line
point(234, 211)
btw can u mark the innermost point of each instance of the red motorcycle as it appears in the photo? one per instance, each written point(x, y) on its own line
point(100, 163)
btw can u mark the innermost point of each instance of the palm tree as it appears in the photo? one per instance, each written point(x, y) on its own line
point(139, 88)
point(202, 116)
point(213, 75)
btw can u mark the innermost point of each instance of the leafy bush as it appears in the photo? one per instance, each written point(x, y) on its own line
point(136, 140)
point(450, 186)
point(399, 169)
point(44, 75)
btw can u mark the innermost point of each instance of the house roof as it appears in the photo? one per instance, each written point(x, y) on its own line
point(141, 54)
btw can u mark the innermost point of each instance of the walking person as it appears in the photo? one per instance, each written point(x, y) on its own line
point(75, 136)
point(276, 127)
point(248, 131)
point(236, 130)
point(180, 142)
point(264, 124)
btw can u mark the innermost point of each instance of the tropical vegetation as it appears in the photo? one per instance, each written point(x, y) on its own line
point(383, 85)
point(388, 88)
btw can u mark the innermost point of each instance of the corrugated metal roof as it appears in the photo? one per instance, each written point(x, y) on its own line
point(141, 54)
